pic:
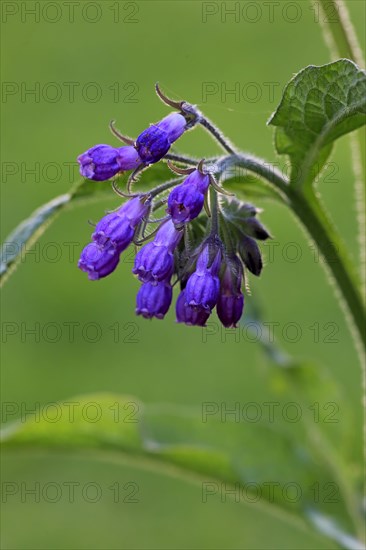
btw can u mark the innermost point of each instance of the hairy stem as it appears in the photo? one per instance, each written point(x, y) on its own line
point(257, 166)
point(320, 228)
point(339, 32)
point(164, 186)
point(214, 205)
point(217, 134)
point(181, 158)
point(341, 38)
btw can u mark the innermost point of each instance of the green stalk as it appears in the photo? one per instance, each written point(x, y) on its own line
point(214, 205)
point(315, 220)
point(309, 210)
point(339, 32)
point(341, 38)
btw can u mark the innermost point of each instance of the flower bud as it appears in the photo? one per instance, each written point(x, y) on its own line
point(154, 142)
point(174, 125)
point(119, 227)
point(155, 261)
point(98, 261)
point(153, 300)
point(168, 235)
point(199, 180)
point(203, 285)
point(103, 162)
point(185, 202)
point(206, 263)
point(189, 315)
point(152, 145)
point(231, 300)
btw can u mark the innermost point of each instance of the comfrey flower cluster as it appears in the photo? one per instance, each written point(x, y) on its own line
point(103, 162)
point(203, 243)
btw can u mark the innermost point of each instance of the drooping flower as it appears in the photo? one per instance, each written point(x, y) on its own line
point(174, 125)
point(185, 203)
point(103, 162)
point(98, 261)
point(154, 142)
point(230, 303)
point(193, 316)
point(207, 263)
point(112, 234)
point(186, 200)
point(199, 180)
point(119, 227)
point(203, 285)
point(155, 261)
point(154, 299)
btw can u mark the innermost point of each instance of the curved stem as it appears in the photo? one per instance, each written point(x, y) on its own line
point(181, 158)
point(216, 133)
point(164, 186)
point(310, 212)
point(341, 38)
point(214, 205)
point(226, 237)
point(320, 228)
point(258, 166)
point(176, 157)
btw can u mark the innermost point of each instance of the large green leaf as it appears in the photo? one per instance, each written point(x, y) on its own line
point(319, 105)
point(295, 469)
point(257, 461)
point(30, 230)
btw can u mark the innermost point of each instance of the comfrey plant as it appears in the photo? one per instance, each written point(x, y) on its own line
point(202, 236)
point(193, 232)
point(204, 243)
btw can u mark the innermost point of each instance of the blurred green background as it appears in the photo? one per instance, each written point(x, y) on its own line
point(128, 47)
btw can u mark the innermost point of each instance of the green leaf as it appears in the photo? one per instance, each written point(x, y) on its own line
point(319, 105)
point(310, 384)
point(30, 230)
point(224, 452)
point(247, 457)
point(236, 211)
point(239, 229)
point(327, 424)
